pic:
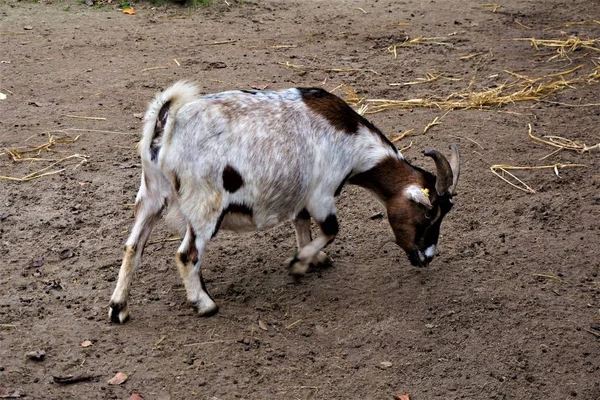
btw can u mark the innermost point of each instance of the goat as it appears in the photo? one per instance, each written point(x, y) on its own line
point(241, 160)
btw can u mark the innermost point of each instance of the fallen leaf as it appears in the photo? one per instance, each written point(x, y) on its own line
point(35, 103)
point(138, 115)
point(28, 27)
point(2, 96)
point(260, 87)
point(86, 343)
point(262, 325)
point(129, 11)
point(37, 355)
point(6, 393)
point(402, 397)
point(135, 396)
point(119, 378)
point(4, 215)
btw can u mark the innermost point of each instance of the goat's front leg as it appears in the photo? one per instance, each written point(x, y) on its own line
point(147, 212)
point(304, 237)
point(310, 252)
point(189, 263)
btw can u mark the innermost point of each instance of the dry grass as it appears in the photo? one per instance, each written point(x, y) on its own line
point(34, 154)
point(502, 171)
point(426, 41)
point(563, 47)
point(520, 88)
point(562, 143)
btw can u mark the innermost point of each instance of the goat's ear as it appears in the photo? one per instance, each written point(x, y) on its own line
point(418, 195)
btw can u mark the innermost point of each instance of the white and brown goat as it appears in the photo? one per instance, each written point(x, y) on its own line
point(244, 160)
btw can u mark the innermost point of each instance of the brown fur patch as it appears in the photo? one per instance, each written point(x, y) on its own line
point(338, 113)
point(332, 108)
point(388, 178)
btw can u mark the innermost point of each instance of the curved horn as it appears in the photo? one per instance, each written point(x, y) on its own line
point(455, 165)
point(444, 172)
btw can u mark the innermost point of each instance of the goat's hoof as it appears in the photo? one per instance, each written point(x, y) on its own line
point(118, 312)
point(297, 268)
point(205, 307)
point(207, 311)
point(321, 260)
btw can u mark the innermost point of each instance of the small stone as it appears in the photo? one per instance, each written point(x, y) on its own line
point(37, 355)
point(385, 364)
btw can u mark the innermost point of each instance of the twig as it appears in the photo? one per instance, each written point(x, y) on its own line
point(152, 69)
point(592, 332)
point(293, 324)
point(402, 136)
point(89, 118)
point(67, 380)
point(159, 341)
point(171, 239)
point(546, 276)
point(96, 131)
point(210, 342)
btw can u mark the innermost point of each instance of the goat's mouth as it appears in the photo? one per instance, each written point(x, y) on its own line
point(418, 259)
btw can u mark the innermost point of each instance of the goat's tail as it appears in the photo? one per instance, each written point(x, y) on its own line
point(160, 117)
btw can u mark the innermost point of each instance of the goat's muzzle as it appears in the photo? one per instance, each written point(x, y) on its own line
point(418, 259)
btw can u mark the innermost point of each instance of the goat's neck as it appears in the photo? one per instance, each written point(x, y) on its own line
point(386, 179)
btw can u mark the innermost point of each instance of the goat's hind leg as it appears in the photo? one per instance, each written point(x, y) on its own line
point(189, 263)
point(147, 212)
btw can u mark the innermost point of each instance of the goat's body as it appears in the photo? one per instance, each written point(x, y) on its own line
point(288, 158)
point(244, 160)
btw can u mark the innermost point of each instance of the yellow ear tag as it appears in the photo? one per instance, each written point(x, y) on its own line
point(425, 192)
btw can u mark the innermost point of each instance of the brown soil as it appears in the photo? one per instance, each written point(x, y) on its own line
point(509, 309)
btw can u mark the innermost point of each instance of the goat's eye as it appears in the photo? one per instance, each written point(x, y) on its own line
point(427, 215)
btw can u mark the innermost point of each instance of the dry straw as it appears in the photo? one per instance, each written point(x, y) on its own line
point(393, 48)
point(502, 171)
point(34, 155)
point(563, 47)
point(521, 88)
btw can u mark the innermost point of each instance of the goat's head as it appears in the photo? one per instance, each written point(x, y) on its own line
point(416, 211)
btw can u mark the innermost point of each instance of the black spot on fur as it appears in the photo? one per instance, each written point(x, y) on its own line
point(330, 225)
point(233, 209)
point(232, 180)
point(304, 214)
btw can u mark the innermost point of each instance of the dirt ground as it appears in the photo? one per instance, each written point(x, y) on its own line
point(509, 309)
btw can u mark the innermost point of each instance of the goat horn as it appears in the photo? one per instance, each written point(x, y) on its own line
point(444, 171)
point(455, 165)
